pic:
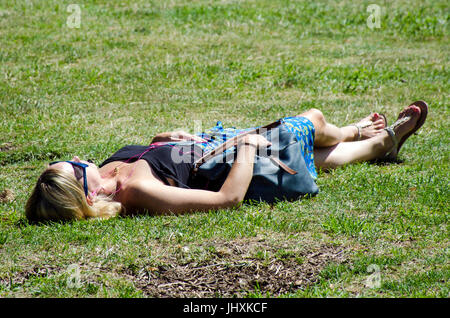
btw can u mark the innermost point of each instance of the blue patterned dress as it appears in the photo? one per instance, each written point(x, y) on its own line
point(302, 127)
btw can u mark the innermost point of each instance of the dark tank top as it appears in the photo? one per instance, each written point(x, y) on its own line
point(166, 161)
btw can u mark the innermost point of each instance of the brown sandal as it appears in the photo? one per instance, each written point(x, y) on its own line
point(390, 130)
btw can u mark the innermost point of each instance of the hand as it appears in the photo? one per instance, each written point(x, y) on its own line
point(257, 140)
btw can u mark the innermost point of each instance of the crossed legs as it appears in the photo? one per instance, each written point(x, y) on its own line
point(335, 146)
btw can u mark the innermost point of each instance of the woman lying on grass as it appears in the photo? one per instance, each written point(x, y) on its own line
point(141, 179)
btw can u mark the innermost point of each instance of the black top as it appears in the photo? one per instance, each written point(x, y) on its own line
point(166, 161)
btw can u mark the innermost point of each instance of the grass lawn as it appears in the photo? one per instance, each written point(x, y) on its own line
point(135, 68)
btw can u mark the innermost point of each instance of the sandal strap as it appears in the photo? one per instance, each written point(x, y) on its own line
point(389, 154)
point(391, 132)
point(358, 137)
point(364, 124)
point(399, 122)
point(360, 126)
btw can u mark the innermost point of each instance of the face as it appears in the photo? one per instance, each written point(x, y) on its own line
point(92, 173)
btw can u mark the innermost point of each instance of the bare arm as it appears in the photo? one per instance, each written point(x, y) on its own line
point(176, 136)
point(161, 199)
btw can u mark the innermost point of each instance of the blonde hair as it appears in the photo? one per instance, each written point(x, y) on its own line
point(58, 196)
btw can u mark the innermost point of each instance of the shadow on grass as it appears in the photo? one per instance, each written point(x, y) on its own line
point(385, 161)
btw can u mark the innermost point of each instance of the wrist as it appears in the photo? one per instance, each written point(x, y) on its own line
point(246, 151)
point(246, 142)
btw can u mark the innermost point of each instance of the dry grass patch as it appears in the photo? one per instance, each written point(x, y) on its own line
point(237, 268)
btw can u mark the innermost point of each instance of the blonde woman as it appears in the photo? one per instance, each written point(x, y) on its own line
point(143, 180)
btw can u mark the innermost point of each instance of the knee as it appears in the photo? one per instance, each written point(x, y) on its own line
point(316, 113)
point(316, 116)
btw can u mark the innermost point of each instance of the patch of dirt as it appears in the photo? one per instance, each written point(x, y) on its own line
point(236, 268)
point(21, 277)
point(7, 196)
point(6, 146)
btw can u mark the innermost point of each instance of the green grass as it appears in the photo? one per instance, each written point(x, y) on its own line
point(136, 68)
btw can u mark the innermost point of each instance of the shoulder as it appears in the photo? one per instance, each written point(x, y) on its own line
point(139, 193)
point(133, 189)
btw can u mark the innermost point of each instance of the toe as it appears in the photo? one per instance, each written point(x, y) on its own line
point(409, 111)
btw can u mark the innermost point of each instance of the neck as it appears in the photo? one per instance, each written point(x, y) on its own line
point(113, 179)
point(108, 184)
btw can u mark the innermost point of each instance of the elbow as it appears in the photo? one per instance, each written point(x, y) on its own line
point(233, 201)
point(238, 200)
point(231, 197)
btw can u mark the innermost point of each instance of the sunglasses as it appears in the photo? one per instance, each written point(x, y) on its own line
point(80, 171)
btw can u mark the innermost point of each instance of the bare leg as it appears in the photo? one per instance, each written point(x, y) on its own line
point(369, 149)
point(351, 152)
point(329, 135)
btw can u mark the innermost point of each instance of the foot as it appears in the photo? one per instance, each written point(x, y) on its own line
point(406, 122)
point(370, 126)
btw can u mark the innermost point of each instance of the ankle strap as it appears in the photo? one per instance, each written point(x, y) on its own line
point(359, 126)
point(391, 128)
point(358, 137)
point(391, 133)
